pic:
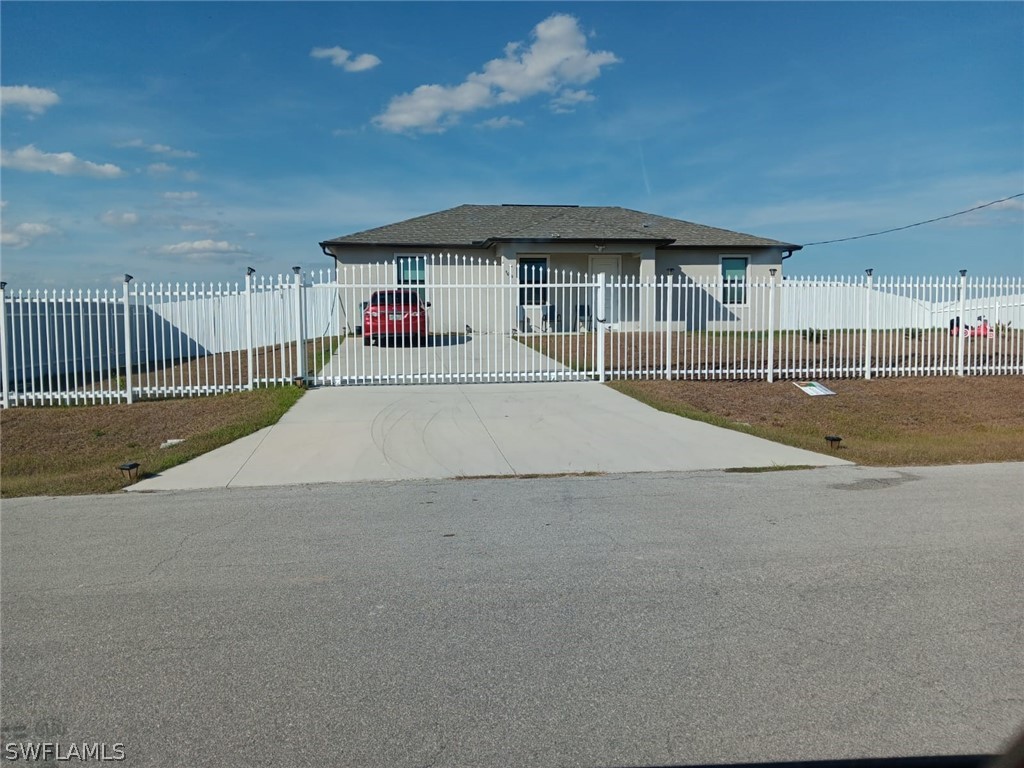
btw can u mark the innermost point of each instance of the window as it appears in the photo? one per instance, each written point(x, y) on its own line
point(734, 278)
point(412, 270)
point(533, 276)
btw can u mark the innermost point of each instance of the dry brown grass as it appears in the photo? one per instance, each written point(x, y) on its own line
point(207, 374)
point(72, 450)
point(735, 355)
point(883, 422)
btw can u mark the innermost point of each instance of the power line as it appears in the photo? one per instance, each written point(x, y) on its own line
point(918, 224)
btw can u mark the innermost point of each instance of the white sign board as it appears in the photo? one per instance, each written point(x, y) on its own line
point(813, 388)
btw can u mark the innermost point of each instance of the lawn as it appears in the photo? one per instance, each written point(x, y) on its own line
point(61, 451)
point(883, 422)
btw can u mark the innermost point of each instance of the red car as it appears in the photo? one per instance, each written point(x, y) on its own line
point(395, 314)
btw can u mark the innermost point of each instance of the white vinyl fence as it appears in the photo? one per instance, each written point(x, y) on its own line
point(160, 340)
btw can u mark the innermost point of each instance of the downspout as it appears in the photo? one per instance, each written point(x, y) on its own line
point(342, 311)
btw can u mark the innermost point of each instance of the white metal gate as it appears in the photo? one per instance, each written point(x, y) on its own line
point(484, 324)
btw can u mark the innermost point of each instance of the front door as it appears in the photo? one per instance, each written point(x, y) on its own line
point(611, 265)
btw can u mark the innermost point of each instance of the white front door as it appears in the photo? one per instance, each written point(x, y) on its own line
point(611, 265)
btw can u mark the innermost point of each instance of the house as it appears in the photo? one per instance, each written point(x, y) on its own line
point(534, 242)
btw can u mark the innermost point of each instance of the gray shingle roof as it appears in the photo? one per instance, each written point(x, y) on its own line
point(468, 225)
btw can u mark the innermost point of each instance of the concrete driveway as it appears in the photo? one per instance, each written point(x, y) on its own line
point(467, 358)
point(347, 434)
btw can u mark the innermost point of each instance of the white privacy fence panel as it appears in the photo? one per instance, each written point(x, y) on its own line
point(908, 302)
point(488, 323)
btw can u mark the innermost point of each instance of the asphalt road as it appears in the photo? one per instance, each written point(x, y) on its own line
point(595, 621)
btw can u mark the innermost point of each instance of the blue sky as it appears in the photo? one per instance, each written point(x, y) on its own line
point(186, 141)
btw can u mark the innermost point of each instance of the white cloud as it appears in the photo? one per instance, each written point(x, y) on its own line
point(557, 58)
point(195, 225)
point(220, 246)
point(158, 169)
point(34, 100)
point(1003, 212)
point(501, 122)
point(204, 250)
point(179, 197)
point(341, 58)
point(567, 100)
point(115, 219)
point(159, 149)
point(23, 235)
point(60, 163)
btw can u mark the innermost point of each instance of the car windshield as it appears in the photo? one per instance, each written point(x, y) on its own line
point(394, 298)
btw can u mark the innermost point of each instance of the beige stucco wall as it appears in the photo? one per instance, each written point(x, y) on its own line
point(489, 303)
point(706, 263)
point(705, 310)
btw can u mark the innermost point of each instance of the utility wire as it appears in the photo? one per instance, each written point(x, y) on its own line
point(918, 224)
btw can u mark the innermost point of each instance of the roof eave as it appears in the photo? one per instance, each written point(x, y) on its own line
point(348, 244)
point(705, 246)
point(656, 242)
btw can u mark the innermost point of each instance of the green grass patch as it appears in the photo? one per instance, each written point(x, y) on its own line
point(60, 451)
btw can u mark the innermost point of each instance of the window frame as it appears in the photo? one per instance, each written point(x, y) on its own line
point(730, 291)
point(538, 296)
point(401, 279)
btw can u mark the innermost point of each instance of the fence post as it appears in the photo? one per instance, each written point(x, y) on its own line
point(668, 327)
point(300, 339)
point(248, 326)
point(771, 327)
point(963, 324)
point(867, 326)
point(127, 339)
point(599, 319)
point(3, 344)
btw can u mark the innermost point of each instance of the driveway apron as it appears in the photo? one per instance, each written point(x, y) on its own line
point(345, 434)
